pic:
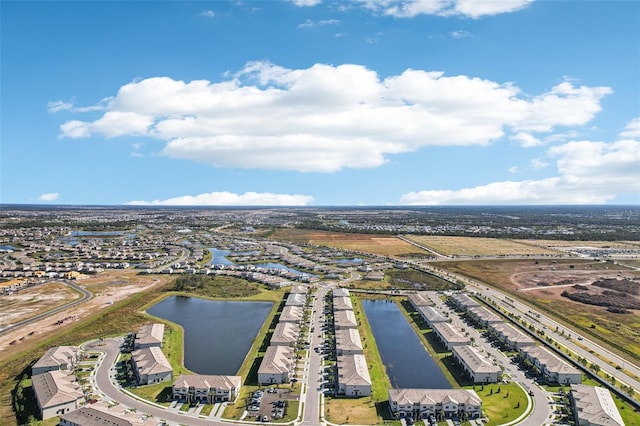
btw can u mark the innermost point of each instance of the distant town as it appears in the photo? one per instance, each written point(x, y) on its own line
point(314, 316)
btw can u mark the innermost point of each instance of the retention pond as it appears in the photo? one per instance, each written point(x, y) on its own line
point(407, 362)
point(217, 334)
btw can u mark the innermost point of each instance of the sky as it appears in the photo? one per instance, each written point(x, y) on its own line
point(320, 102)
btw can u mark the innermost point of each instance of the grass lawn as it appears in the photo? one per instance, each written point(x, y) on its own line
point(159, 393)
point(501, 407)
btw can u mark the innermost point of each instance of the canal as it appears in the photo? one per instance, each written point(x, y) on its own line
point(407, 362)
point(217, 334)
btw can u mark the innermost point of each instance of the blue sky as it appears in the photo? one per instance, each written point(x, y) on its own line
point(318, 102)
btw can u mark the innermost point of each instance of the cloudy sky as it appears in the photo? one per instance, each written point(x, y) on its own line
point(320, 102)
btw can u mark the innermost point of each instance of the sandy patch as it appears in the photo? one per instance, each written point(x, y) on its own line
point(108, 289)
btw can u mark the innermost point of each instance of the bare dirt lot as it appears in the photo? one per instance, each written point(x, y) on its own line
point(34, 300)
point(108, 287)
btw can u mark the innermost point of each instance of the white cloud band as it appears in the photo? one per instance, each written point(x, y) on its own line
point(326, 118)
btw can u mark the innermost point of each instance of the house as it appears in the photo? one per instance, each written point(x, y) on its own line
point(374, 276)
point(285, 334)
point(594, 406)
point(342, 303)
point(341, 292)
point(483, 317)
point(449, 336)
point(149, 335)
point(89, 416)
point(299, 289)
point(296, 299)
point(57, 392)
point(477, 366)
point(353, 376)
point(103, 415)
point(344, 319)
point(56, 358)
point(552, 368)
point(277, 365)
point(207, 389)
point(431, 315)
point(511, 336)
point(151, 366)
point(293, 314)
point(463, 301)
point(419, 299)
point(420, 404)
point(348, 342)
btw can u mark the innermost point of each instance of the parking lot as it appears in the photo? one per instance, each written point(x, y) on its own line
point(268, 404)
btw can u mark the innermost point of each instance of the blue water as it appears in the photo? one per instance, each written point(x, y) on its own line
point(345, 260)
point(407, 362)
point(7, 248)
point(220, 257)
point(279, 266)
point(217, 334)
point(96, 233)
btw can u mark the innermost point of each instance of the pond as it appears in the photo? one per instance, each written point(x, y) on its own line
point(219, 257)
point(407, 362)
point(281, 267)
point(217, 334)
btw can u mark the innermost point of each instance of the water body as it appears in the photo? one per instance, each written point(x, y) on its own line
point(96, 233)
point(219, 257)
point(407, 362)
point(217, 334)
point(280, 266)
point(346, 260)
point(7, 248)
point(246, 253)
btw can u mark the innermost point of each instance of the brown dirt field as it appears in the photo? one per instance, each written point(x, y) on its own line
point(368, 243)
point(31, 301)
point(110, 286)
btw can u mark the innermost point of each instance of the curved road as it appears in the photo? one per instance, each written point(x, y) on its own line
point(107, 387)
point(86, 295)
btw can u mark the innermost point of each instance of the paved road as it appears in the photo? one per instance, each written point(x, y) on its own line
point(314, 371)
point(86, 295)
point(106, 386)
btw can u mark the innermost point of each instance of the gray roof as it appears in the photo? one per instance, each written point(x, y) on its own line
point(201, 381)
point(434, 396)
point(56, 387)
point(277, 359)
point(151, 361)
point(56, 356)
point(595, 405)
point(89, 416)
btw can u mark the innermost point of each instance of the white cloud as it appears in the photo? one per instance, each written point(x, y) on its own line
point(631, 130)
point(326, 118)
point(588, 173)
point(208, 13)
point(55, 106)
point(538, 164)
point(461, 34)
point(306, 3)
point(526, 140)
point(513, 169)
point(231, 199)
point(310, 24)
point(466, 8)
point(50, 196)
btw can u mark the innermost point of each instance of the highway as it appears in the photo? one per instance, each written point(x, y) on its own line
point(86, 295)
